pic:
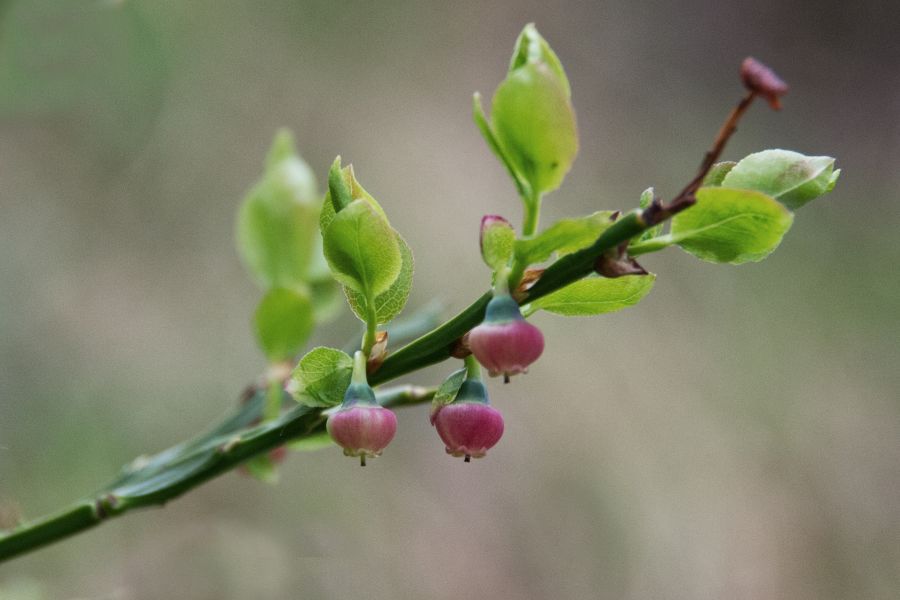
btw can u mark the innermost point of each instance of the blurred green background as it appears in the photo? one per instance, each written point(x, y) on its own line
point(737, 435)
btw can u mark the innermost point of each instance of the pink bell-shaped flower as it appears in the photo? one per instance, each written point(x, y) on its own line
point(505, 343)
point(468, 426)
point(360, 426)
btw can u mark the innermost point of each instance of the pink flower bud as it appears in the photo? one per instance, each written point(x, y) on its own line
point(362, 427)
point(505, 342)
point(764, 81)
point(490, 221)
point(468, 426)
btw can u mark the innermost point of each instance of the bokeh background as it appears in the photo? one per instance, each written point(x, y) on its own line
point(737, 435)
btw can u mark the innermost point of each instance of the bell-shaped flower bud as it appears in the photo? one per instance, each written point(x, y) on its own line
point(468, 426)
point(505, 343)
point(361, 426)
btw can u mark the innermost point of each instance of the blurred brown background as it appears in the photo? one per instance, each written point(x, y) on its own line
point(737, 435)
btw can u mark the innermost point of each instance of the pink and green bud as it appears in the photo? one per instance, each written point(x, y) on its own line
point(505, 343)
point(468, 426)
point(497, 241)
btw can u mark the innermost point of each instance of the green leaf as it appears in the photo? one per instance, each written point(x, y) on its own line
point(321, 377)
point(532, 48)
point(449, 388)
point(564, 237)
point(311, 443)
point(646, 198)
point(283, 322)
point(596, 295)
point(731, 226)
point(790, 177)
point(534, 123)
point(498, 241)
point(276, 223)
point(717, 173)
point(389, 303)
point(262, 467)
point(357, 192)
point(490, 137)
point(362, 249)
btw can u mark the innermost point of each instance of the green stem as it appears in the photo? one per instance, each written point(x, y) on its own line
point(473, 368)
point(532, 214)
point(371, 326)
point(274, 392)
point(359, 368)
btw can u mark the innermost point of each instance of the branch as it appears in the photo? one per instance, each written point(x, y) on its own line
point(165, 476)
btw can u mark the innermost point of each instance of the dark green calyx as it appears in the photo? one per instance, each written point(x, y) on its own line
point(502, 309)
point(359, 394)
point(472, 390)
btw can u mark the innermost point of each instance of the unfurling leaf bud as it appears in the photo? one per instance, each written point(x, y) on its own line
point(468, 426)
point(505, 343)
point(759, 78)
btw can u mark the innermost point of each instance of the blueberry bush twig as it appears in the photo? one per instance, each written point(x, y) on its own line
point(306, 252)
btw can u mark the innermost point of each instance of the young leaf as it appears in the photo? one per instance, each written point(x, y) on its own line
point(262, 468)
point(357, 192)
point(596, 295)
point(497, 241)
point(283, 322)
point(731, 226)
point(646, 198)
point(717, 173)
point(564, 237)
point(532, 48)
point(790, 177)
point(523, 187)
point(276, 221)
point(362, 249)
point(311, 443)
point(447, 391)
point(321, 377)
point(389, 303)
point(534, 123)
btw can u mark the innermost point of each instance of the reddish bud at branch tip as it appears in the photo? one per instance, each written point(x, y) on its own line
point(762, 80)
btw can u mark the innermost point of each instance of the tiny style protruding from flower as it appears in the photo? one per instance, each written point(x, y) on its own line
point(505, 343)
point(469, 426)
point(361, 426)
point(759, 78)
